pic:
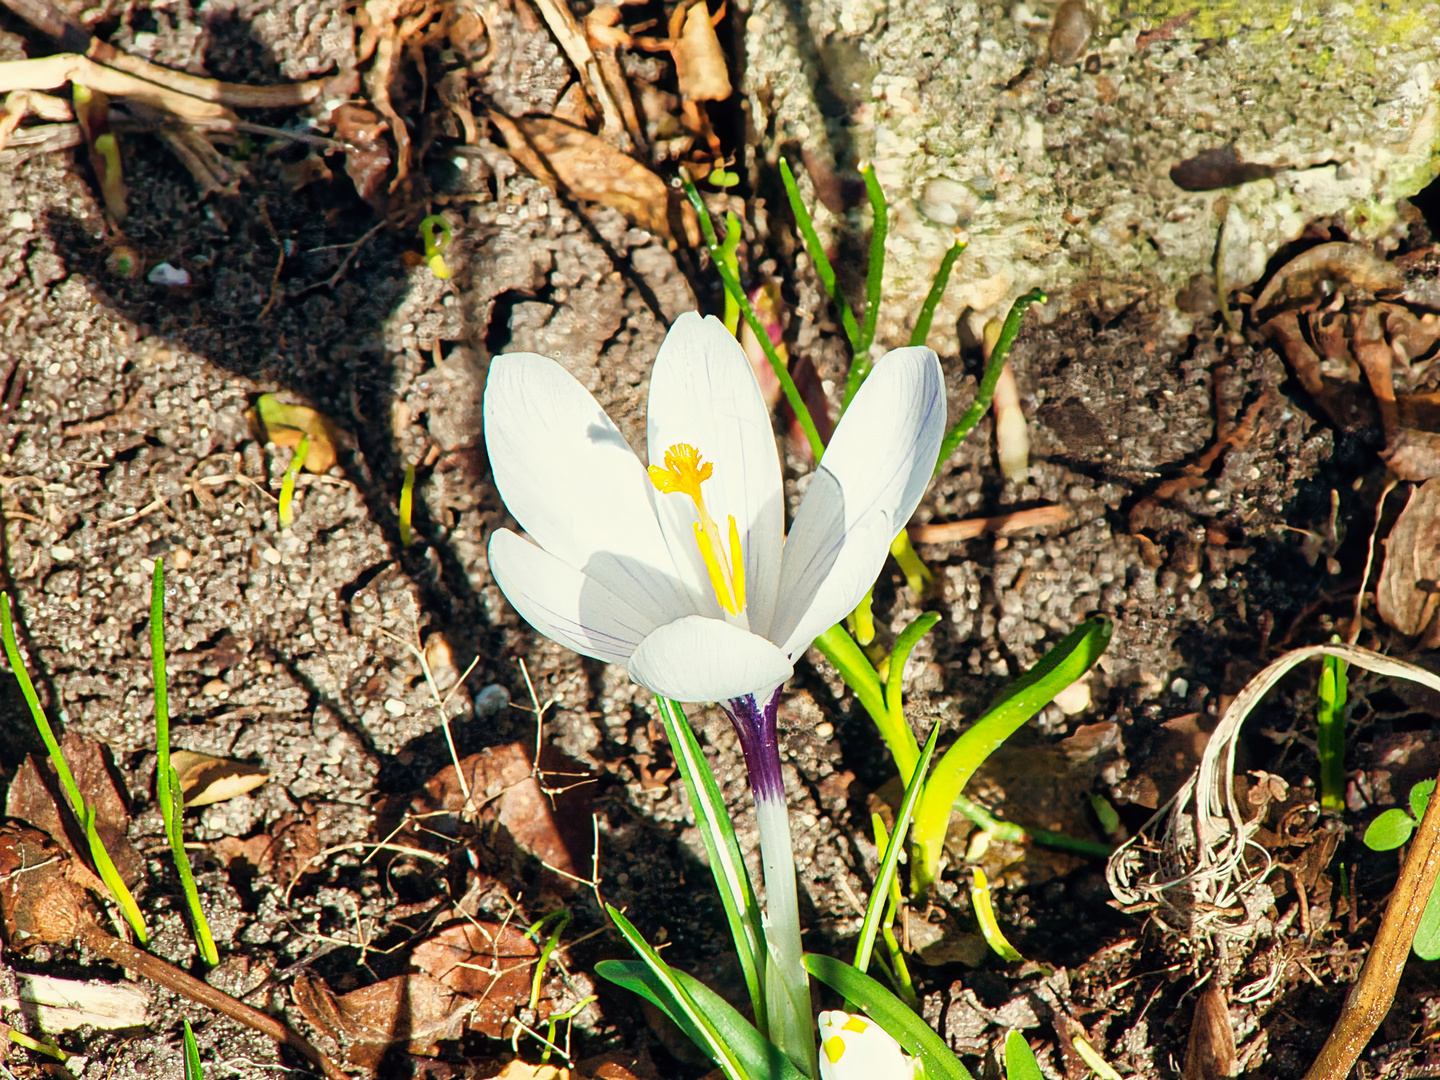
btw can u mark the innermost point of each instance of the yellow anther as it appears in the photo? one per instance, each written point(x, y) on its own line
point(682, 474)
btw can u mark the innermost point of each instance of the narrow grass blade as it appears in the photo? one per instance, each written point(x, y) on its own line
point(104, 865)
point(1098, 1065)
point(1331, 740)
point(547, 950)
point(734, 289)
point(985, 916)
point(859, 674)
point(890, 858)
point(816, 250)
point(728, 252)
point(1020, 834)
point(192, 1056)
point(894, 696)
point(732, 880)
point(890, 1013)
point(198, 923)
point(677, 1002)
point(287, 485)
point(1030, 693)
point(162, 699)
point(921, 333)
point(762, 1058)
point(874, 274)
point(1020, 1063)
point(167, 781)
point(991, 376)
point(407, 507)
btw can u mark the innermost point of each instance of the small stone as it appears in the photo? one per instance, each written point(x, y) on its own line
point(270, 555)
point(1180, 687)
point(165, 274)
point(492, 700)
point(215, 688)
point(1075, 698)
point(824, 730)
point(181, 558)
point(61, 553)
point(394, 706)
point(22, 220)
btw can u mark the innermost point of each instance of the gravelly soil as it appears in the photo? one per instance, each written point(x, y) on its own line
point(289, 648)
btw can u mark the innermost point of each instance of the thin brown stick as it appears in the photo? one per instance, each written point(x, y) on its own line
point(172, 978)
point(1370, 1001)
point(952, 531)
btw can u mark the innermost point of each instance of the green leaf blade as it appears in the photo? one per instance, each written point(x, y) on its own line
point(1420, 797)
point(887, 1010)
point(1389, 830)
point(1020, 1063)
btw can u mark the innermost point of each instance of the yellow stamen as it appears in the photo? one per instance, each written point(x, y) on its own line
point(737, 567)
point(682, 474)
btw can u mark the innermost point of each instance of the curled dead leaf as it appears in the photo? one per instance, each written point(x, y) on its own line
point(1210, 1054)
point(700, 66)
point(585, 166)
point(284, 425)
point(284, 851)
point(408, 1008)
point(1302, 276)
point(1407, 595)
point(205, 779)
point(486, 961)
point(39, 905)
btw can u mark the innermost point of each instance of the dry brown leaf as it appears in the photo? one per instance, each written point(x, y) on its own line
point(408, 1008)
point(39, 905)
point(1302, 277)
point(700, 67)
point(504, 773)
point(283, 424)
point(284, 852)
point(486, 961)
point(1407, 595)
point(519, 1070)
point(205, 780)
point(585, 166)
point(1211, 1051)
point(367, 155)
point(35, 797)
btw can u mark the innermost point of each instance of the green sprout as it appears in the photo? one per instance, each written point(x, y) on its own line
point(167, 780)
point(561, 919)
point(435, 232)
point(407, 507)
point(985, 916)
point(728, 249)
point(1394, 828)
point(192, 1055)
point(286, 507)
point(45, 1046)
point(1330, 742)
point(104, 865)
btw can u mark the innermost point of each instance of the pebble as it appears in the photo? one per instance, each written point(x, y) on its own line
point(22, 220)
point(61, 553)
point(165, 274)
point(215, 688)
point(824, 730)
point(270, 555)
point(492, 700)
point(394, 706)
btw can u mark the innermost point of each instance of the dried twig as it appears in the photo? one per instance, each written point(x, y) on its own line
point(1370, 1001)
point(950, 532)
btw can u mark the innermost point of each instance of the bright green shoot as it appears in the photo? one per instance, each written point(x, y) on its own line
point(1331, 740)
point(167, 780)
point(729, 253)
point(407, 507)
point(1071, 658)
point(561, 919)
point(104, 865)
point(823, 270)
point(890, 855)
point(192, 1056)
point(286, 507)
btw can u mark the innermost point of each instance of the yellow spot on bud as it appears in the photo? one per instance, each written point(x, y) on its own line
point(834, 1048)
point(855, 1023)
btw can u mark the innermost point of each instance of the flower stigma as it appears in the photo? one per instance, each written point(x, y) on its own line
point(682, 474)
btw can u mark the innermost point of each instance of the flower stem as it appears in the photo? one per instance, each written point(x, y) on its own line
point(787, 986)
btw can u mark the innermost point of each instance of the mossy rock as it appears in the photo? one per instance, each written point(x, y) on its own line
point(1059, 173)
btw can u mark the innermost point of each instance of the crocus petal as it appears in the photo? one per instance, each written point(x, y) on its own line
point(564, 604)
point(700, 659)
point(574, 484)
point(868, 484)
point(703, 392)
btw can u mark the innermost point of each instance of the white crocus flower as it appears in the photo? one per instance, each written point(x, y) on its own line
point(682, 572)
